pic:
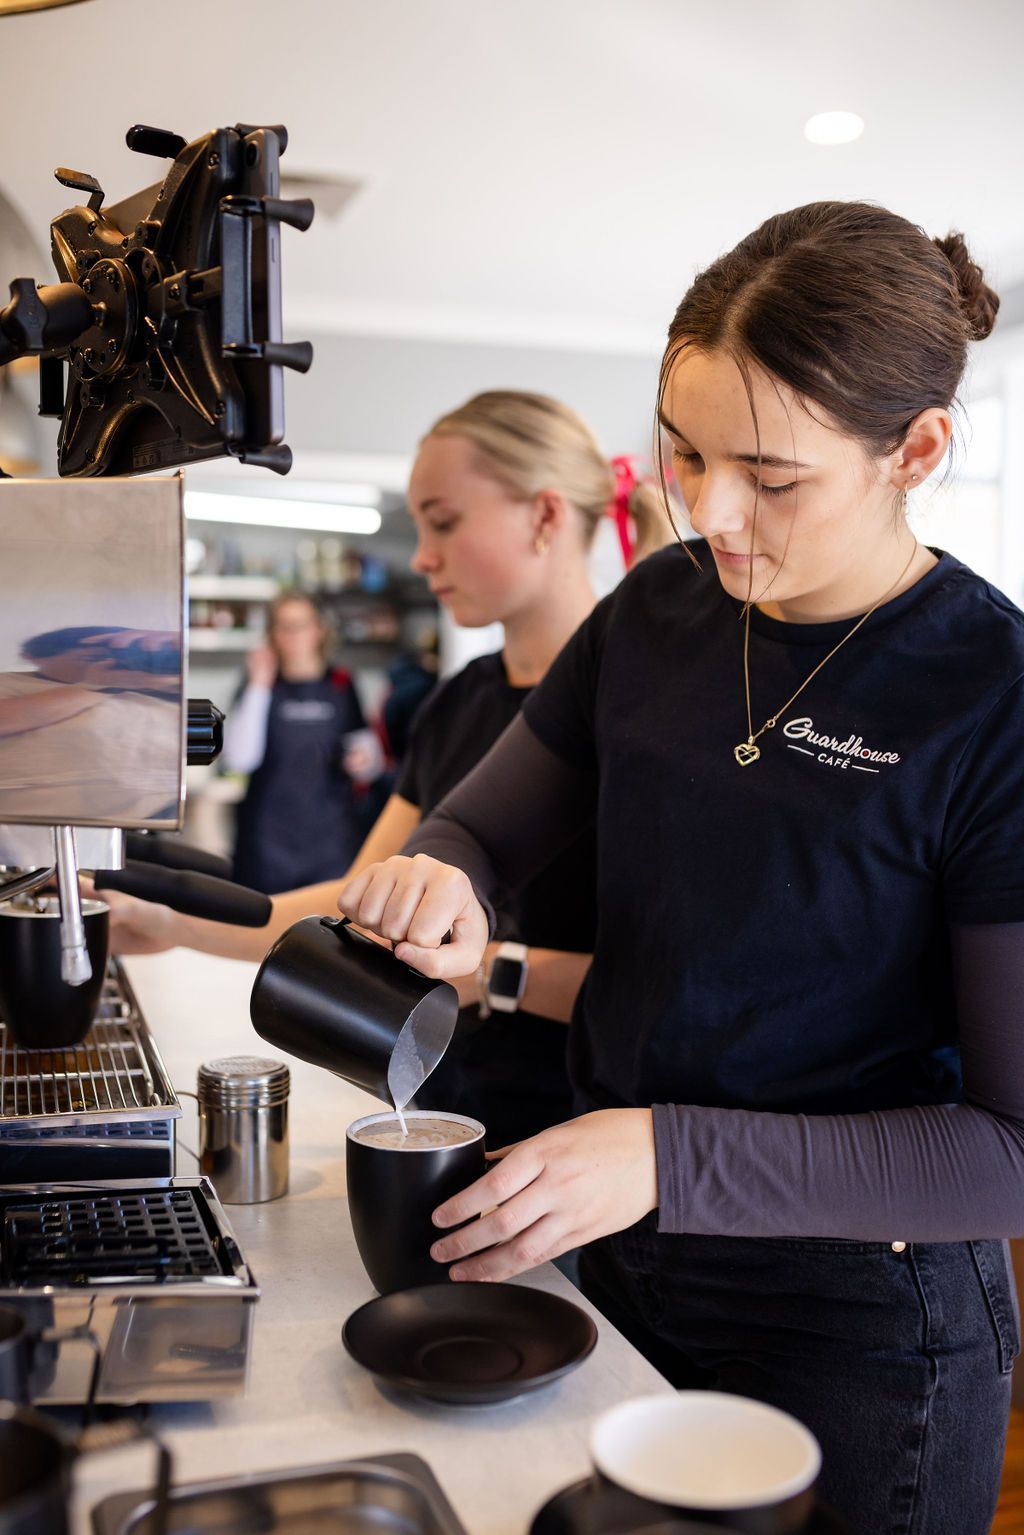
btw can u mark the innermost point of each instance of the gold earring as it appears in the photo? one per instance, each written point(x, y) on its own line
point(542, 543)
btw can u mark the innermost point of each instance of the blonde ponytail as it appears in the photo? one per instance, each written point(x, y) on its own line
point(531, 442)
point(649, 511)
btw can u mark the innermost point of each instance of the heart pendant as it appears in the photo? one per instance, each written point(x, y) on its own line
point(746, 753)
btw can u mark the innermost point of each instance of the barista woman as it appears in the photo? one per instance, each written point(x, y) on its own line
point(799, 1042)
point(506, 494)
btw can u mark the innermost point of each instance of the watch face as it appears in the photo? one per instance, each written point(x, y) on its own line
point(505, 977)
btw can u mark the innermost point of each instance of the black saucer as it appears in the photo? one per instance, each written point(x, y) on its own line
point(469, 1343)
point(591, 1507)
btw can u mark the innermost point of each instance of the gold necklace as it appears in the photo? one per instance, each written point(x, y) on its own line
point(748, 751)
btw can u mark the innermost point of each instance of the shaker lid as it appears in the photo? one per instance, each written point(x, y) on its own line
point(243, 1079)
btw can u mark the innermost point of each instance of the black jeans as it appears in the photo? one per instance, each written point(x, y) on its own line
point(899, 1362)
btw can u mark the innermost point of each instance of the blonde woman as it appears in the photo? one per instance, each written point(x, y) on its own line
point(506, 494)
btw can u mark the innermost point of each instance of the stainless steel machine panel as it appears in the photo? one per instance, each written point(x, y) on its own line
point(92, 665)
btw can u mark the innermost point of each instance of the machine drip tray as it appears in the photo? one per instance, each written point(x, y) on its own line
point(75, 1239)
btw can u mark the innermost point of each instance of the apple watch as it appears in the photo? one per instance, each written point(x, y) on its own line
point(507, 980)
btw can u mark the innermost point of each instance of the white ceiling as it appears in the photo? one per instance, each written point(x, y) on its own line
point(545, 171)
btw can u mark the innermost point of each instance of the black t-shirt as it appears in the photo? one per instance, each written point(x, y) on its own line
point(509, 1072)
point(455, 728)
point(776, 936)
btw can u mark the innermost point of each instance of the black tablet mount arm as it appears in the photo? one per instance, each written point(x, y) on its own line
point(161, 345)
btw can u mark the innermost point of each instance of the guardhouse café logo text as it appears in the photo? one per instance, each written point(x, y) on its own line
point(849, 753)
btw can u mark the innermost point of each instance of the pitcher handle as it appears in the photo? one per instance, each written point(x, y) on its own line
point(339, 924)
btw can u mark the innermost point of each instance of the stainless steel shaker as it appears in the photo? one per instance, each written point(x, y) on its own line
point(243, 1127)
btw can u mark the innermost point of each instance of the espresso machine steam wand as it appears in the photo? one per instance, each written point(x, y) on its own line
point(75, 967)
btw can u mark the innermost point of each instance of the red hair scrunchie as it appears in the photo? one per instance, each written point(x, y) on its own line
point(626, 482)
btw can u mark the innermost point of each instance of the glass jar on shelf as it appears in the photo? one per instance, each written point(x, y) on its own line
point(332, 556)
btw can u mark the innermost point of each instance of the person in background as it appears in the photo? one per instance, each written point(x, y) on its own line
point(298, 730)
point(798, 1054)
point(506, 494)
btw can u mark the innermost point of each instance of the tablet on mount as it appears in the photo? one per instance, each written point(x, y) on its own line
point(161, 344)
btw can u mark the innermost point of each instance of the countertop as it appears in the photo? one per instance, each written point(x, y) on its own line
point(307, 1401)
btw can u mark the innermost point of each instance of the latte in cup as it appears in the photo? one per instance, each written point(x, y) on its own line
point(424, 1132)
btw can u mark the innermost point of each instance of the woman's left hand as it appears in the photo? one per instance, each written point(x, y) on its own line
point(562, 1188)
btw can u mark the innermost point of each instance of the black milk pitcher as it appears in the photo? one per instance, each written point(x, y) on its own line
point(335, 998)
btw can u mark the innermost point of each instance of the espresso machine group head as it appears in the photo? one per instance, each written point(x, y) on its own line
point(161, 344)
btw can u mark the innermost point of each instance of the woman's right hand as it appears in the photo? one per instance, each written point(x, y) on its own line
point(261, 664)
point(415, 902)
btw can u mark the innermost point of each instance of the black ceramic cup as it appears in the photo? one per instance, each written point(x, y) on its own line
point(41, 1011)
point(394, 1190)
point(36, 1462)
point(16, 1350)
point(707, 1455)
point(35, 1474)
point(334, 997)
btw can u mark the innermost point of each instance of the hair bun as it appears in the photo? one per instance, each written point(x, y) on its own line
point(979, 302)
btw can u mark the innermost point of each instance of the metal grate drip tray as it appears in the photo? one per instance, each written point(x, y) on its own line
point(78, 1239)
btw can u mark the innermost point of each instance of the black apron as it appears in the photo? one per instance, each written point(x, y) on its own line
point(298, 823)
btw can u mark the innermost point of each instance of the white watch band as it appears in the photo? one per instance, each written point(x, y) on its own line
point(517, 952)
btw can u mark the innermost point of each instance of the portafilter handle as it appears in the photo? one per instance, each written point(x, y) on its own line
point(75, 967)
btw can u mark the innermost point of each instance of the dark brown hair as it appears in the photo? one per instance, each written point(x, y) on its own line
point(852, 307)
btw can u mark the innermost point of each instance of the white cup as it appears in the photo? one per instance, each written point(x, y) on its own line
point(715, 1456)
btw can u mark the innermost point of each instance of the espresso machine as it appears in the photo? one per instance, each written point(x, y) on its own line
point(160, 345)
point(99, 1235)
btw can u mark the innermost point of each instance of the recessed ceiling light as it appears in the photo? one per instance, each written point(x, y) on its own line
point(833, 128)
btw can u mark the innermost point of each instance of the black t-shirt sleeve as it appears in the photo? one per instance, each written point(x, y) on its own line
point(405, 785)
point(510, 817)
point(409, 784)
point(560, 710)
point(983, 840)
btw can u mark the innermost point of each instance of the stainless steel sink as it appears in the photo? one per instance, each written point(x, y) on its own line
point(388, 1495)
